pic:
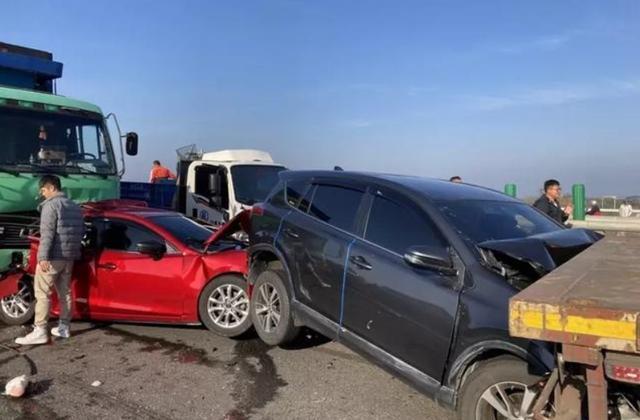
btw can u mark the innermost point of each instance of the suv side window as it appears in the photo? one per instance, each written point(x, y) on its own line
point(336, 205)
point(397, 227)
point(124, 236)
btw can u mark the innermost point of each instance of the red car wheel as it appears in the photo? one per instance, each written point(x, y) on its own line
point(224, 306)
point(18, 309)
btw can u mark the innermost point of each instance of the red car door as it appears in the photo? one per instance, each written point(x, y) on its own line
point(134, 286)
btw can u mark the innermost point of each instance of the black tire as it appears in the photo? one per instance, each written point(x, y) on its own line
point(505, 371)
point(223, 306)
point(27, 296)
point(275, 332)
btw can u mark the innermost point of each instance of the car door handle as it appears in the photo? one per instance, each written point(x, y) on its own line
point(291, 233)
point(361, 262)
point(108, 266)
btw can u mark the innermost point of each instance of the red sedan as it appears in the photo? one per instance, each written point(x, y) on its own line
point(147, 265)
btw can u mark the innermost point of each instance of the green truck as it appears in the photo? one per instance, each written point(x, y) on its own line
point(45, 133)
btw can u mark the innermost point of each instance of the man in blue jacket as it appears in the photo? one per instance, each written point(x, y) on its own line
point(61, 230)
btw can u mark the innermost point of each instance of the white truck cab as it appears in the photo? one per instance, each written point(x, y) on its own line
point(218, 185)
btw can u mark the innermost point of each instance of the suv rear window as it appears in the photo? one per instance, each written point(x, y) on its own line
point(397, 227)
point(294, 191)
point(336, 205)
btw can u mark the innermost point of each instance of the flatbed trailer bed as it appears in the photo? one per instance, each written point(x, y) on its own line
point(590, 307)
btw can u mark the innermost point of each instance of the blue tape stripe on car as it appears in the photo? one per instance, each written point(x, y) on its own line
point(344, 283)
point(275, 238)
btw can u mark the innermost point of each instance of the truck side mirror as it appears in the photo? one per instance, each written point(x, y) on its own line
point(214, 184)
point(131, 144)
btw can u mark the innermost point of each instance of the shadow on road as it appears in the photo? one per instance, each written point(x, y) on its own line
point(307, 338)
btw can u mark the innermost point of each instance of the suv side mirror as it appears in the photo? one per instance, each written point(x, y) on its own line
point(154, 249)
point(131, 144)
point(434, 258)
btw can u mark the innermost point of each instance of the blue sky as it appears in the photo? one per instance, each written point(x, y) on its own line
point(502, 91)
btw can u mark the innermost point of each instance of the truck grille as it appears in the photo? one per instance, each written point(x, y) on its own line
point(15, 229)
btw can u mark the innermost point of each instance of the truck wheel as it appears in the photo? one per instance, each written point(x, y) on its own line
point(18, 309)
point(499, 388)
point(224, 306)
point(271, 309)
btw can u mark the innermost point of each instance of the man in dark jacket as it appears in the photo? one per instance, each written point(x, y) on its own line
point(548, 203)
point(61, 230)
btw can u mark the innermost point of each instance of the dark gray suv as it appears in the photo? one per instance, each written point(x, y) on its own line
point(414, 274)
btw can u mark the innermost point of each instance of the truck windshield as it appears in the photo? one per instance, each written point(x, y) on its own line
point(479, 220)
point(252, 183)
point(63, 141)
point(186, 231)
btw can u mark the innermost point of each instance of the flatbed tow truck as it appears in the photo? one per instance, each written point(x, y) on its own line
point(590, 309)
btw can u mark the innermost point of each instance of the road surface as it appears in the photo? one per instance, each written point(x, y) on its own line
point(154, 372)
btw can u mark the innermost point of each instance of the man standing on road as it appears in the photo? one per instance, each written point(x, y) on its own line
point(61, 229)
point(548, 203)
point(160, 173)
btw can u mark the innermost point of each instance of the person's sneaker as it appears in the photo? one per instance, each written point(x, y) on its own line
point(61, 331)
point(37, 336)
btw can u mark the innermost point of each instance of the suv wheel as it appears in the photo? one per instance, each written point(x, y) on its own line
point(271, 310)
point(18, 309)
point(224, 306)
point(500, 388)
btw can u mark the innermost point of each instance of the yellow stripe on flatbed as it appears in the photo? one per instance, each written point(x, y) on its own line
point(543, 321)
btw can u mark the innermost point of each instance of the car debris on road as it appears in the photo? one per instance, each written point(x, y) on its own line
point(17, 386)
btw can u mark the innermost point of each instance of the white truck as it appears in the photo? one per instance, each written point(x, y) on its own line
point(215, 186)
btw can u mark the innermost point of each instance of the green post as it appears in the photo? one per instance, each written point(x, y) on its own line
point(510, 190)
point(578, 195)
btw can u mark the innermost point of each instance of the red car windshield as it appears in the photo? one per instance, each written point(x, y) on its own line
point(186, 231)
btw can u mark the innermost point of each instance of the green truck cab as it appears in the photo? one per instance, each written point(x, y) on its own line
point(45, 133)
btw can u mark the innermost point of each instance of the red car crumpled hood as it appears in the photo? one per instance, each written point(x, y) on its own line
point(240, 222)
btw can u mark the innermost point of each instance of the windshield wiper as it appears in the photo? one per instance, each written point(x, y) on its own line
point(9, 171)
point(53, 169)
point(88, 171)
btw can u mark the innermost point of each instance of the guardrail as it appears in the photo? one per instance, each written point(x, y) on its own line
point(609, 223)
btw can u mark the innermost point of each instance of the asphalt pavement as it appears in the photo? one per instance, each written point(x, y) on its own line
point(157, 372)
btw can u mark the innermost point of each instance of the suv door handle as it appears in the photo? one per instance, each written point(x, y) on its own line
point(361, 262)
point(291, 233)
point(108, 266)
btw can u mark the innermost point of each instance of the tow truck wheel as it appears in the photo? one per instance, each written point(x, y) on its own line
point(18, 309)
point(500, 388)
point(224, 306)
point(271, 309)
